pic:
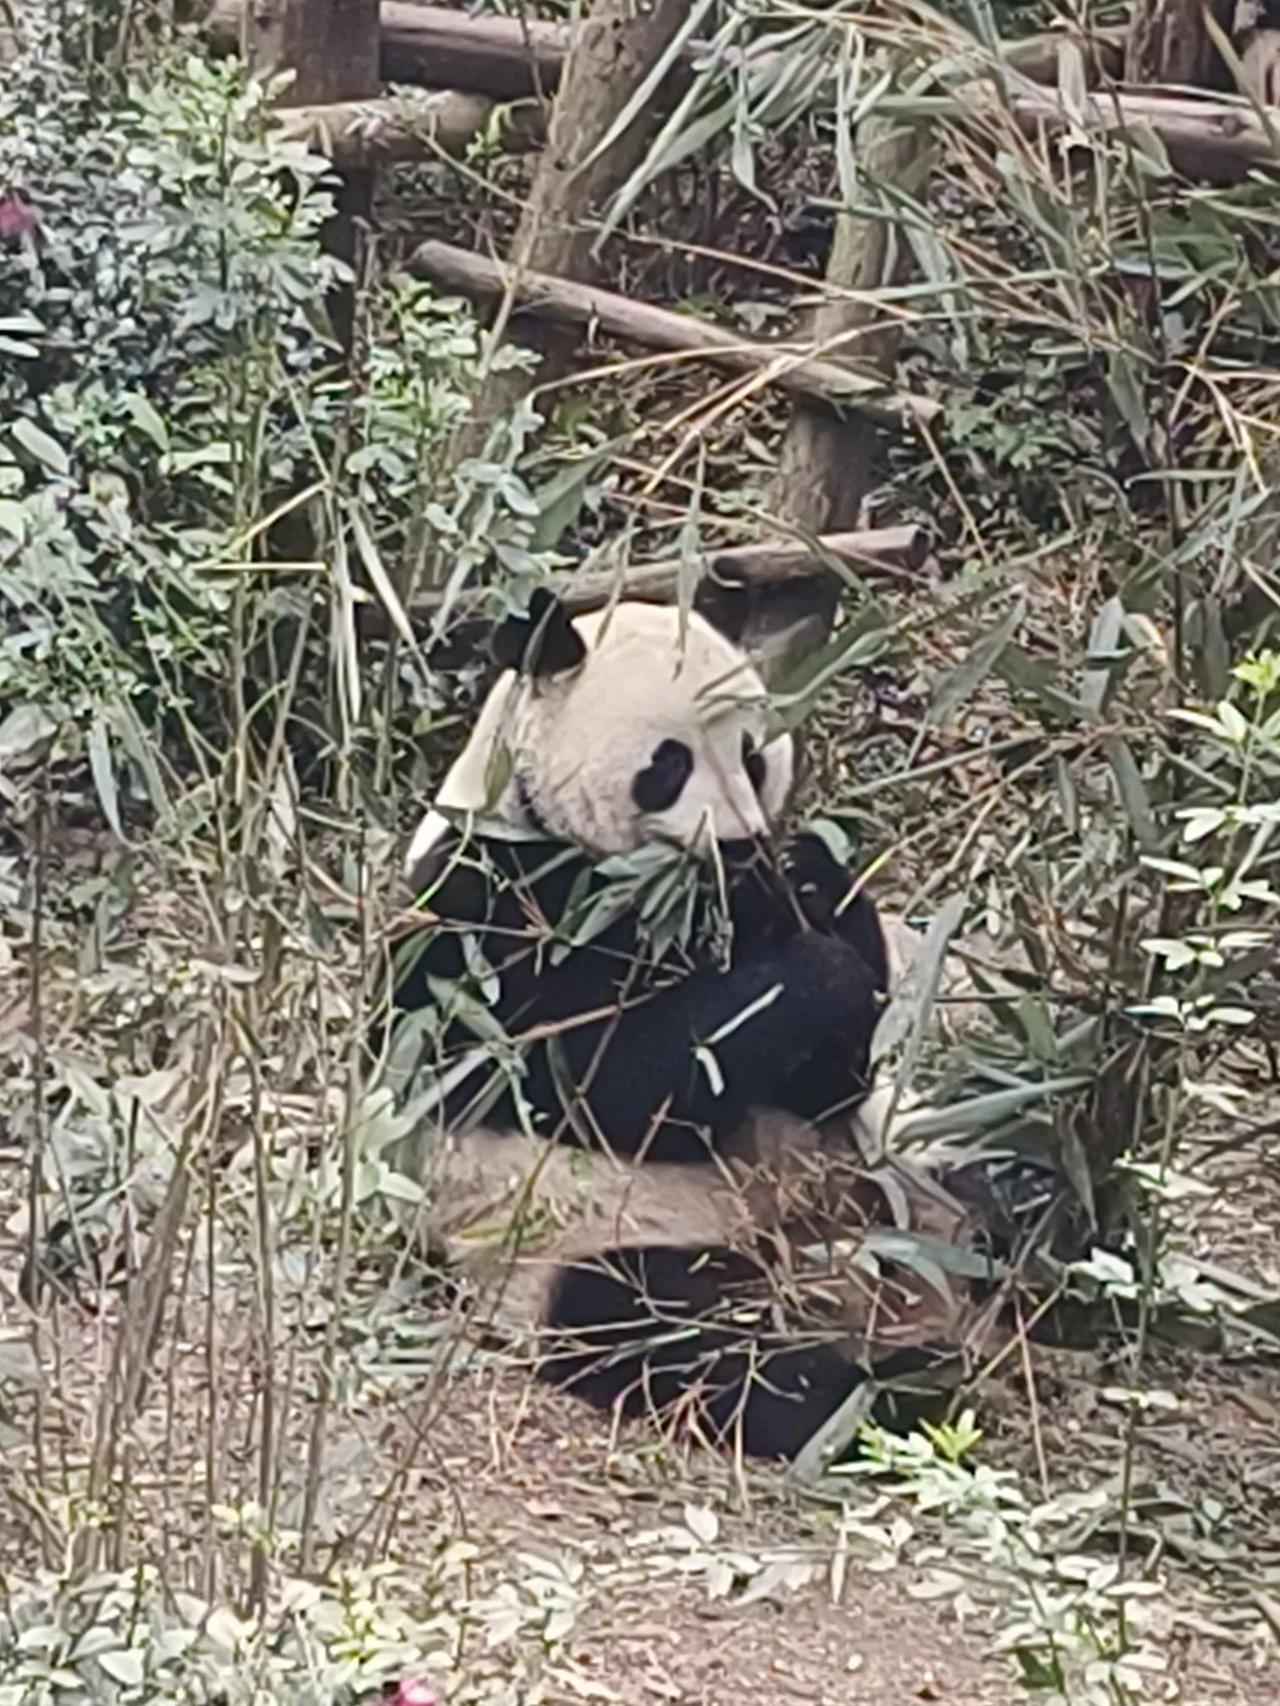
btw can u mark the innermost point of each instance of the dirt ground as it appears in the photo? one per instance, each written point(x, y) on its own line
point(526, 1470)
point(551, 1483)
point(653, 1549)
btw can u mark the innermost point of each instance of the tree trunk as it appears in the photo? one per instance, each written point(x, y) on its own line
point(332, 47)
point(614, 49)
point(1169, 43)
point(827, 463)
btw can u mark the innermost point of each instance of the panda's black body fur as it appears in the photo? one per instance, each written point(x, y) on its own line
point(641, 1088)
point(643, 1326)
point(647, 1319)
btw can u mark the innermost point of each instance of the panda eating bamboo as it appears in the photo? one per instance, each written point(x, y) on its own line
point(646, 1029)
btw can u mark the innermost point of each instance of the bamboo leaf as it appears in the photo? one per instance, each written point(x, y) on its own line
point(851, 648)
point(1034, 676)
point(1074, 1161)
point(1133, 791)
point(748, 1012)
point(959, 683)
point(909, 1013)
point(1103, 638)
point(931, 1258)
point(345, 645)
point(104, 775)
point(674, 144)
point(560, 498)
point(831, 1439)
point(1125, 387)
point(144, 415)
point(37, 442)
point(848, 78)
point(979, 1113)
point(374, 568)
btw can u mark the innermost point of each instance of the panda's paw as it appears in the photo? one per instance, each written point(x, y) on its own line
point(828, 976)
point(819, 882)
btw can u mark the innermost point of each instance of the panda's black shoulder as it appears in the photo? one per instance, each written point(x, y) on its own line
point(467, 875)
point(469, 888)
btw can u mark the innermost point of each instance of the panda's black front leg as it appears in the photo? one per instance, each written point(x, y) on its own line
point(824, 891)
point(788, 1030)
point(807, 888)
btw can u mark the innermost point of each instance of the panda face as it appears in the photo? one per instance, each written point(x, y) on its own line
point(654, 736)
point(713, 788)
point(645, 726)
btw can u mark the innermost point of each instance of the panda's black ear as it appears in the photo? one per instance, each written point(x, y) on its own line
point(726, 604)
point(544, 642)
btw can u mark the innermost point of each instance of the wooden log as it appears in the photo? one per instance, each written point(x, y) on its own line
point(362, 133)
point(882, 550)
point(828, 462)
point(894, 552)
point(565, 303)
point(1169, 43)
point(1216, 139)
point(1260, 66)
point(510, 59)
point(1039, 56)
point(506, 59)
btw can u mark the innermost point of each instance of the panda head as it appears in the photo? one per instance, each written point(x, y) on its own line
point(619, 728)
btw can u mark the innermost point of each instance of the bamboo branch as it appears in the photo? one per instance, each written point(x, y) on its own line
point(564, 303)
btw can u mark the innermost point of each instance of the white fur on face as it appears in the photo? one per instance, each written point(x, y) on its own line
point(578, 740)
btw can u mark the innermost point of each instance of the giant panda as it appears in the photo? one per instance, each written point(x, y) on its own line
point(674, 1098)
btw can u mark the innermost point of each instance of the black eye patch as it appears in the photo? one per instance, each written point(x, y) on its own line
point(753, 763)
point(659, 785)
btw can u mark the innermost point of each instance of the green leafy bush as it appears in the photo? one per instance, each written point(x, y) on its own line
point(168, 291)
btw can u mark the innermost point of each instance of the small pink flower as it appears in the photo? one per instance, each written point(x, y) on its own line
point(17, 218)
point(414, 1692)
